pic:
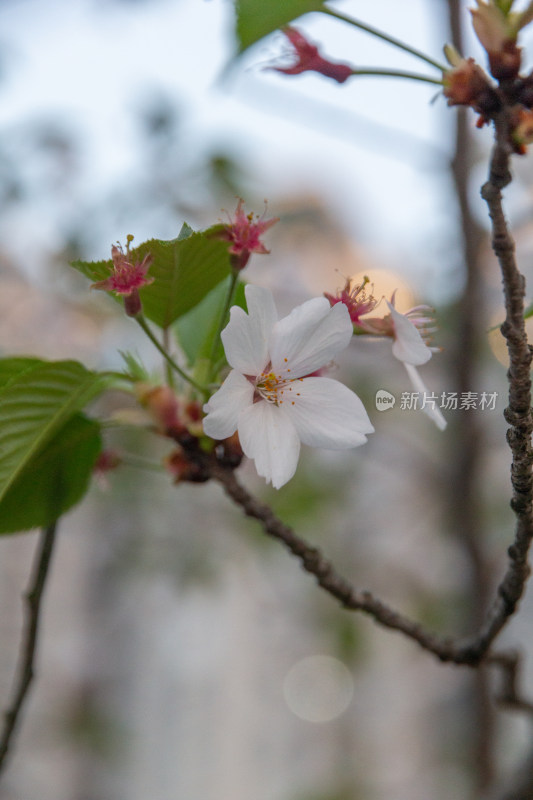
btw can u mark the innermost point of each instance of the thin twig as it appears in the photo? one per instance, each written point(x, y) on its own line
point(26, 669)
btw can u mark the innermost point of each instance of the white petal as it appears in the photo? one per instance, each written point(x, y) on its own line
point(309, 337)
point(224, 407)
point(408, 345)
point(433, 413)
point(268, 436)
point(246, 336)
point(326, 413)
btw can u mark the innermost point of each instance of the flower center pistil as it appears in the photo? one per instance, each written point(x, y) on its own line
point(275, 389)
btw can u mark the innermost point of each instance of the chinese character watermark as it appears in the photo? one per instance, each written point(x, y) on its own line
point(446, 401)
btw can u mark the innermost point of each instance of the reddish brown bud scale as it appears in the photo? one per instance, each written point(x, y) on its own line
point(505, 63)
point(465, 84)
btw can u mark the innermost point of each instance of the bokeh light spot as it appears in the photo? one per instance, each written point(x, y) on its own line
point(318, 688)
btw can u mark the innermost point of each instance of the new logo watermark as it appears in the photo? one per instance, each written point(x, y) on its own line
point(384, 400)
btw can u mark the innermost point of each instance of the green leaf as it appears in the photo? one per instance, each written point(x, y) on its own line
point(54, 480)
point(184, 271)
point(34, 405)
point(11, 367)
point(257, 18)
point(197, 329)
point(529, 311)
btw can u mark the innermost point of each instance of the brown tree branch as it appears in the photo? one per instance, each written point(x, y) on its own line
point(26, 670)
point(518, 412)
point(315, 563)
point(469, 651)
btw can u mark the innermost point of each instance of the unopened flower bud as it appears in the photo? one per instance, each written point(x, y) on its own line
point(162, 405)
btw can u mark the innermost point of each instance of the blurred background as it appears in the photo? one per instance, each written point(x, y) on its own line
point(182, 655)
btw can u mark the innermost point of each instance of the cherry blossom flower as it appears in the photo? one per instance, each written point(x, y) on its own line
point(309, 59)
point(269, 396)
point(244, 232)
point(126, 278)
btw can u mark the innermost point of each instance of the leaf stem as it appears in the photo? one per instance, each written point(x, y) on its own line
point(168, 370)
point(395, 73)
point(390, 39)
point(222, 321)
point(144, 325)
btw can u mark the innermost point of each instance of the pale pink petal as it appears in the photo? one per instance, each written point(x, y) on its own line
point(326, 413)
point(224, 407)
point(408, 345)
point(246, 336)
point(434, 413)
point(309, 337)
point(268, 437)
